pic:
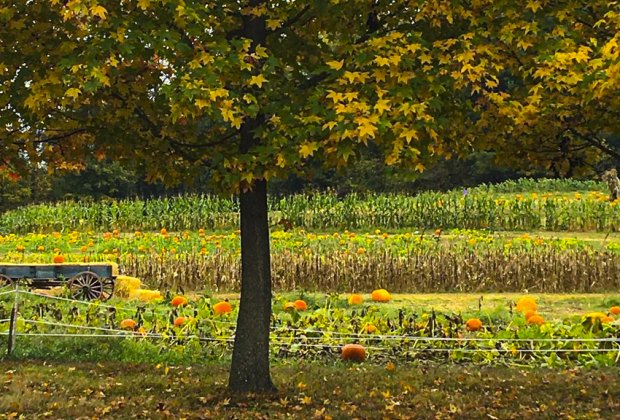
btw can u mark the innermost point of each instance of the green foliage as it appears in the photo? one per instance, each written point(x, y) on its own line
point(169, 85)
point(317, 333)
point(483, 207)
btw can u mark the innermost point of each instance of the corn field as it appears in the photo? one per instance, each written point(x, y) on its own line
point(485, 207)
point(443, 271)
point(456, 260)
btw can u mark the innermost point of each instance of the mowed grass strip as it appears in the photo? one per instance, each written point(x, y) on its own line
point(117, 390)
point(555, 306)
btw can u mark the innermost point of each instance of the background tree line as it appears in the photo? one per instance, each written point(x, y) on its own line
point(109, 180)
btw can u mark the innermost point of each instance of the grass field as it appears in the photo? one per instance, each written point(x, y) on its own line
point(306, 390)
point(554, 306)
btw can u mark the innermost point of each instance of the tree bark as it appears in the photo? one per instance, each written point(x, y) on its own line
point(249, 371)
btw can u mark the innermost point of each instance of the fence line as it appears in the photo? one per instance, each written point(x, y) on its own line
point(329, 346)
point(102, 305)
point(412, 339)
point(277, 340)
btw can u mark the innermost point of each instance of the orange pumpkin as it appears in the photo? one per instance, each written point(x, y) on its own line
point(179, 301)
point(128, 324)
point(369, 328)
point(222, 308)
point(615, 310)
point(536, 320)
point(300, 305)
point(59, 259)
point(355, 299)
point(180, 320)
point(354, 353)
point(526, 303)
point(381, 295)
point(530, 313)
point(473, 324)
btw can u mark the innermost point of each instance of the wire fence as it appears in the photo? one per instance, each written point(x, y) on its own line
point(288, 337)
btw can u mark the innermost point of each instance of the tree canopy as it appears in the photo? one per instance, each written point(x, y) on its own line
point(419, 79)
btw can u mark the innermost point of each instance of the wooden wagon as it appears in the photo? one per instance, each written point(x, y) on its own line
point(85, 281)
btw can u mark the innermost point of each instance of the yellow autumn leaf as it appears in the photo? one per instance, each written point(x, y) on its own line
point(379, 75)
point(381, 106)
point(382, 61)
point(218, 93)
point(273, 24)
point(533, 5)
point(98, 10)
point(367, 130)
point(391, 159)
point(308, 149)
point(350, 96)
point(73, 93)
point(248, 177)
point(201, 103)
point(261, 51)
point(144, 4)
point(258, 80)
point(236, 122)
point(280, 160)
point(334, 96)
point(409, 134)
point(425, 58)
point(395, 59)
point(335, 65)
point(329, 125)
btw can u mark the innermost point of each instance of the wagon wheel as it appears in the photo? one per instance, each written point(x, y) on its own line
point(88, 285)
point(5, 281)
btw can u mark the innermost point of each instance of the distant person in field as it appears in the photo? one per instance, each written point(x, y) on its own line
point(611, 178)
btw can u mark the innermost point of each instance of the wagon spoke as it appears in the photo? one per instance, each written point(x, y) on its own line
point(108, 289)
point(86, 286)
point(5, 280)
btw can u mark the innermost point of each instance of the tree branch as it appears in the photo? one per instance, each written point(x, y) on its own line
point(597, 143)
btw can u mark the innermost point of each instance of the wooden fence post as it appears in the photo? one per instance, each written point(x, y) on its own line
point(13, 324)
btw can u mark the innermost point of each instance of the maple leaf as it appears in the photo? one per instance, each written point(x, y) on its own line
point(351, 76)
point(201, 103)
point(334, 96)
point(382, 61)
point(533, 5)
point(308, 149)
point(367, 130)
point(73, 93)
point(273, 24)
point(409, 135)
point(99, 11)
point(335, 65)
point(144, 4)
point(329, 125)
point(395, 59)
point(280, 160)
point(382, 105)
point(258, 80)
point(218, 93)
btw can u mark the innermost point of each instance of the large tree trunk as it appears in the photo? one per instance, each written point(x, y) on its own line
point(250, 363)
point(249, 370)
